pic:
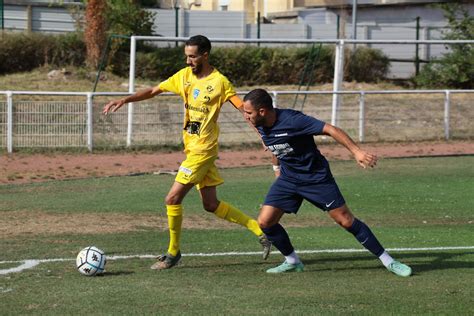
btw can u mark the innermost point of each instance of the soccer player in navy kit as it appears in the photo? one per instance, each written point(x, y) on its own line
point(304, 174)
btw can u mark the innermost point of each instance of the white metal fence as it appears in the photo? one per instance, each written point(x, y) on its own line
point(31, 119)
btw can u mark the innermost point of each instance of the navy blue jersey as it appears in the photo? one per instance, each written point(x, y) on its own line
point(291, 140)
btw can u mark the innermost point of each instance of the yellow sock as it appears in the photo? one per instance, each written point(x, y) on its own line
point(234, 215)
point(175, 219)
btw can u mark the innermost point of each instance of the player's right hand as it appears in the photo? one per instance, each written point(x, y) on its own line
point(113, 106)
point(365, 159)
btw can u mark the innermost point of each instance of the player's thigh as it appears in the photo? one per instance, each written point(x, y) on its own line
point(283, 195)
point(177, 193)
point(324, 195)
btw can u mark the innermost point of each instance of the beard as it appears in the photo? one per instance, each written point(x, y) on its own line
point(197, 69)
point(259, 121)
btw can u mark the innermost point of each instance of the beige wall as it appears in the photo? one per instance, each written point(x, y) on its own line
point(251, 7)
point(272, 6)
point(305, 3)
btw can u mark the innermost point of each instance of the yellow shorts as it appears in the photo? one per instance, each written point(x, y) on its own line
point(199, 170)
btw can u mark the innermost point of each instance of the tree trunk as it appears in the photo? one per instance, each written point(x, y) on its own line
point(95, 32)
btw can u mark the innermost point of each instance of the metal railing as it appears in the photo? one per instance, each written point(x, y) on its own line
point(79, 123)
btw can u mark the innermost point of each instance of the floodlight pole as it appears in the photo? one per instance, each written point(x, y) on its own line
point(354, 23)
point(338, 75)
point(354, 19)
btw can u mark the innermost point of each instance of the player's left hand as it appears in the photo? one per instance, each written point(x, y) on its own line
point(365, 159)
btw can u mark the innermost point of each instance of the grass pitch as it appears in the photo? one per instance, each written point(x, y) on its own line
point(408, 203)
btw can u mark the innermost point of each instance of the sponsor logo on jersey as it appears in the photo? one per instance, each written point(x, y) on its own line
point(210, 88)
point(203, 109)
point(280, 150)
point(196, 93)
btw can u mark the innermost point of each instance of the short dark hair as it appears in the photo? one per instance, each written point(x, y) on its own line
point(202, 42)
point(259, 99)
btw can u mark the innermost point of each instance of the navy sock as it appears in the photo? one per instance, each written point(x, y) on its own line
point(365, 236)
point(279, 238)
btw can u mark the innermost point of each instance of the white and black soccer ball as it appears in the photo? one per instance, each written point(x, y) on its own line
point(91, 261)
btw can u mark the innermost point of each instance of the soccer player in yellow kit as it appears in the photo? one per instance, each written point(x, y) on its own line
point(204, 90)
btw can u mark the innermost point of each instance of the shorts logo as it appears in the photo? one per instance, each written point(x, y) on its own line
point(329, 204)
point(195, 93)
point(185, 170)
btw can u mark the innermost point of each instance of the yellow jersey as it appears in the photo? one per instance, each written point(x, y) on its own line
point(203, 99)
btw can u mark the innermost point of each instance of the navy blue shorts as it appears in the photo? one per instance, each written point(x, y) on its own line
point(288, 196)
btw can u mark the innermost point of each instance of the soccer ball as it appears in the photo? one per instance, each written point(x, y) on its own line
point(90, 261)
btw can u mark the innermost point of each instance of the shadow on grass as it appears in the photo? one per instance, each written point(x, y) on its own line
point(419, 261)
point(115, 273)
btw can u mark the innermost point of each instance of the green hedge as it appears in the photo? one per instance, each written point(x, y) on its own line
point(251, 65)
point(243, 65)
point(26, 51)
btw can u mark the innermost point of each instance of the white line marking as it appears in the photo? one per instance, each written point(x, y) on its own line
point(27, 264)
point(31, 263)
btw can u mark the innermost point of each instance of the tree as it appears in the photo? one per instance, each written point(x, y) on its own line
point(454, 69)
point(95, 31)
point(104, 18)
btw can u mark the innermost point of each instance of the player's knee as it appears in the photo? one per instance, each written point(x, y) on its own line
point(172, 199)
point(264, 223)
point(343, 217)
point(345, 222)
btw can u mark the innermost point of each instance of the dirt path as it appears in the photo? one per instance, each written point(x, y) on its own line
point(23, 168)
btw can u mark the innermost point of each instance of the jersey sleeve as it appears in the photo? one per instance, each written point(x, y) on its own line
point(308, 125)
point(228, 90)
point(174, 83)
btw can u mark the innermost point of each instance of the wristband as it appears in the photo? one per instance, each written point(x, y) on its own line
point(276, 168)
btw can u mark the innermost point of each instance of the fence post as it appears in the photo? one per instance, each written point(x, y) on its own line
point(447, 104)
point(338, 75)
point(90, 114)
point(2, 15)
point(417, 47)
point(9, 122)
point(258, 27)
point(362, 117)
point(131, 88)
point(275, 99)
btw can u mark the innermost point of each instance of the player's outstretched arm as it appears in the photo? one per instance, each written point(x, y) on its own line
point(114, 105)
point(363, 158)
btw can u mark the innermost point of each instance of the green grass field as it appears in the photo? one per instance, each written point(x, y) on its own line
point(422, 204)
